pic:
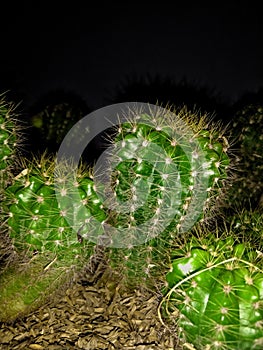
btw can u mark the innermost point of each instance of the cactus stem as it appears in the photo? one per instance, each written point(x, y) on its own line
point(167, 297)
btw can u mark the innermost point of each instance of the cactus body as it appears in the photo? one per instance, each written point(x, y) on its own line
point(49, 250)
point(247, 131)
point(9, 140)
point(248, 225)
point(149, 154)
point(216, 291)
point(52, 122)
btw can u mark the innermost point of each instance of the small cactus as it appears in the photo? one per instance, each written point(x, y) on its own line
point(53, 116)
point(247, 132)
point(215, 293)
point(247, 224)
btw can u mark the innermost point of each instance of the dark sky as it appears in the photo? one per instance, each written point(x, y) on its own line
point(92, 49)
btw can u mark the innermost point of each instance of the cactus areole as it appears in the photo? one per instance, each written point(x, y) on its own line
point(218, 294)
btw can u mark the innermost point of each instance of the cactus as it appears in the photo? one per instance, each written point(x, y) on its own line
point(53, 116)
point(49, 251)
point(247, 225)
point(168, 169)
point(215, 292)
point(247, 131)
point(179, 159)
point(10, 137)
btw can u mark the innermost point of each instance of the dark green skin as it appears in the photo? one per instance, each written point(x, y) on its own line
point(220, 307)
point(49, 249)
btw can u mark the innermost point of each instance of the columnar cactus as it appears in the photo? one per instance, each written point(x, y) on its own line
point(9, 139)
point(170, 178)
point(49, 250)
point(247, 132)
point(215, 294)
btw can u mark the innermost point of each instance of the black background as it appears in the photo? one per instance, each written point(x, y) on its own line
point(91, 49)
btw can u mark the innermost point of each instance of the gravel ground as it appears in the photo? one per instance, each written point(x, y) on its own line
point(101, 314)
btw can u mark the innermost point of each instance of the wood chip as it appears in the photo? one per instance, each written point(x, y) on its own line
point(36, 347)
point(101, 316)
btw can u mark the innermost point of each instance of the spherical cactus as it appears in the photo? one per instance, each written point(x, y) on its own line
point(215, 294)
point(49, 250)
point(170, 170)
point(247, 132)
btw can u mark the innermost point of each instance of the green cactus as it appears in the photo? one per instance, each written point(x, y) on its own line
point(215, 294)
point(247, 132)
point(10, 137)
point(141, 173)
point(53, 116)
point(49, 251)
point(247, 225)
point(166, 171)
